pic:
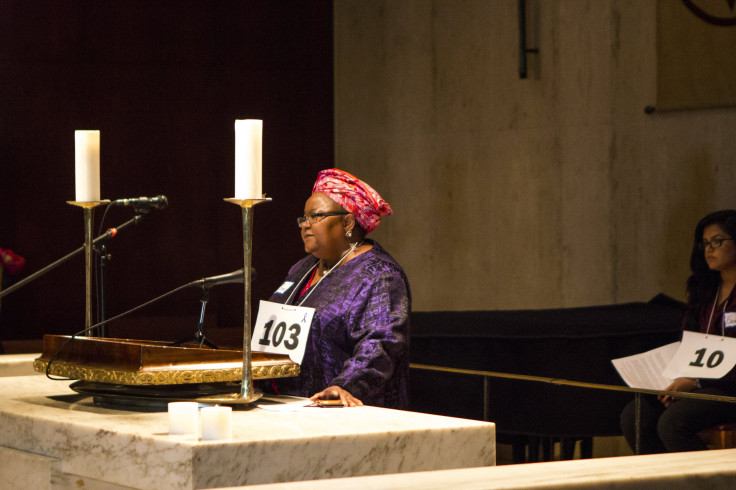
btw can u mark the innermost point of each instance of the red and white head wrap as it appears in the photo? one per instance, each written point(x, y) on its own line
point(357, 197)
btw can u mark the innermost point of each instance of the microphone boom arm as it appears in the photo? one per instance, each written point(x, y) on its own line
point(105, 236)
point(224, 278)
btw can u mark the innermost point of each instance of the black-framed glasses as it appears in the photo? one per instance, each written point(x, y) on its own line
point(713, 243)
point(313, 218)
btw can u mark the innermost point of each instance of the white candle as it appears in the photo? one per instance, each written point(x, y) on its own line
point(217, 423)
point(183, 417)
point(87, 165)
point(248, 158)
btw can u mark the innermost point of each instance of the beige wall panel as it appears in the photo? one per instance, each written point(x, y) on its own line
point(552, 191)
point(585, 210)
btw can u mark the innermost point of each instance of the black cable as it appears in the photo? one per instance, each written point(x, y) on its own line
point(75, 335)
point(102, 221)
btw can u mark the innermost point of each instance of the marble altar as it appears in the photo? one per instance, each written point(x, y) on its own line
point(52, 437)
point(705, 469)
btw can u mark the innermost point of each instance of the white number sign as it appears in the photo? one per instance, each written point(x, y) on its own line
point(702, 356)
point(282, 329)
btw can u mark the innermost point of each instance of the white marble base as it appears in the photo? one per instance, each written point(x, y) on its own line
point(705, 469)
point(134, 449)
point(17, 365)
point(20, 469)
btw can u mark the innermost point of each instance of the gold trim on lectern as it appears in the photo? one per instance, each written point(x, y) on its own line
point(167, 377)
point(142, 362)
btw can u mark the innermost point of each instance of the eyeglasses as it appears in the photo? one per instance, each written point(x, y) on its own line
point(313, 218)
point(714, 243)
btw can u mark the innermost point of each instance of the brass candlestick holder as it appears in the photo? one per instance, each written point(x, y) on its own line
point(89, 207)
point(247, 393)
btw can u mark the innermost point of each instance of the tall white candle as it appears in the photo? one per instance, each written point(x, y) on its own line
point(217, 423)
point(183, 417)
point(87, 165)
point(248, 158)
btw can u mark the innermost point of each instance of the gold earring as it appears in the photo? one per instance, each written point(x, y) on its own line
point(348, 233)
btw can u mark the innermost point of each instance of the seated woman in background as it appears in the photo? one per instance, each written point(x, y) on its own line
point(672, 424)
point(358, 346)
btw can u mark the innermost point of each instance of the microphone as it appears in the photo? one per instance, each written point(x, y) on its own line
point(143, 203)
point(231, 277)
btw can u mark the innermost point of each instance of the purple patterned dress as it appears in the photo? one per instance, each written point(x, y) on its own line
point(359, 337)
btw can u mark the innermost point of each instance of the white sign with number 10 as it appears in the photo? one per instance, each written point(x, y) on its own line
point(282, 329)
point(702, 356)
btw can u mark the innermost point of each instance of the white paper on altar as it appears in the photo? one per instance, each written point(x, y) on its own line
point(283, 403)
point(645, 370)
point(702, 356)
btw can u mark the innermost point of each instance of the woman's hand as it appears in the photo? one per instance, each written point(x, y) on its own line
point(680, 384)
point(334, 393)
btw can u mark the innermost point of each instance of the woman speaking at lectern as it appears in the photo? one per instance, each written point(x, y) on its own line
point(358, 346)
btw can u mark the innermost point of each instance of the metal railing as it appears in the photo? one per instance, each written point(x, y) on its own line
point(580, 384)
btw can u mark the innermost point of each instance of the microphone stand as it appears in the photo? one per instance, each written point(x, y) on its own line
point(104, 258)
point(199, 334)
point(108, 234)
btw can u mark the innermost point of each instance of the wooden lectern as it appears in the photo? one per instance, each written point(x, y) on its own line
point(125, 369)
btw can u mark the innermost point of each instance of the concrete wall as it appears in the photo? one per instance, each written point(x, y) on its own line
point(551, 191)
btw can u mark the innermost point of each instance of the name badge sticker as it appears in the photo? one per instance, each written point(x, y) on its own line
point(284, 287)
point(729, 319)
point(282, 329)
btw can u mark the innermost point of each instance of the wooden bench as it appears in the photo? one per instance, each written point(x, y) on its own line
point(722, 436)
